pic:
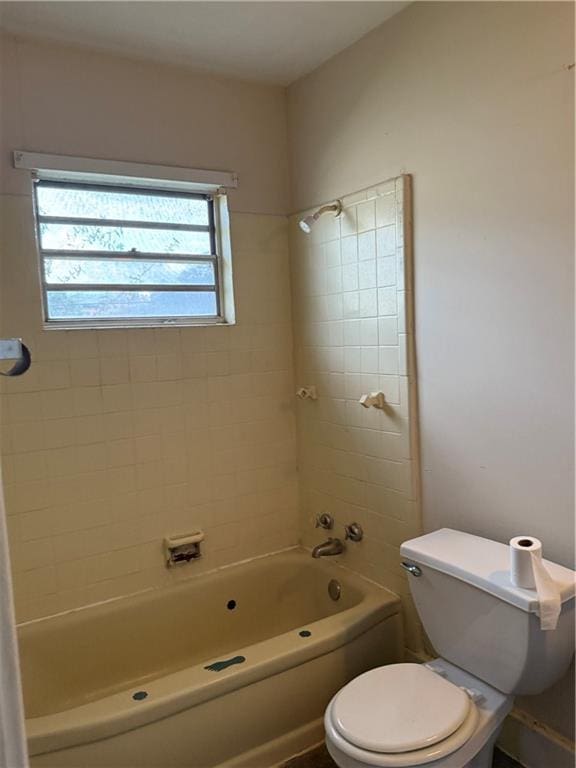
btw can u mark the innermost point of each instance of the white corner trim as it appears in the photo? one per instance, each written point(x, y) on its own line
point(84, 169)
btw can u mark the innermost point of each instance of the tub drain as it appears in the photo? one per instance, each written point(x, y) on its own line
point(334, 589)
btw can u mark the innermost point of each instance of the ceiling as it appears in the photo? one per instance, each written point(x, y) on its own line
point(275, 42)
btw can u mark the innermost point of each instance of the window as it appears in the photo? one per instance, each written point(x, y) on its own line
point(122, 251)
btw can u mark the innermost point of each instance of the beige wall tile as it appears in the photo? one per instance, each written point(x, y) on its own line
point(355, 463)
point(122, 437)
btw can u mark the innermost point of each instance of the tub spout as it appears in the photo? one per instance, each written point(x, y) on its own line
point(328, 548)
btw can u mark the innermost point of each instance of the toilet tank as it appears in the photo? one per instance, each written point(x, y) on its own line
point(477, 619)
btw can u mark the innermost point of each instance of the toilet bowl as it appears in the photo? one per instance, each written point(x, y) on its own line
point(405, 715)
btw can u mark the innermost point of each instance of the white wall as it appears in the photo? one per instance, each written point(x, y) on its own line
point(476, 101)
point(73, 101)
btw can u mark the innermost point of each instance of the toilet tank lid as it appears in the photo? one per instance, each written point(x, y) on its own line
point(483, 563)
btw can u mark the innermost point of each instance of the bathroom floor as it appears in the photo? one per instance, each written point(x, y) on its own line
point(319, 758)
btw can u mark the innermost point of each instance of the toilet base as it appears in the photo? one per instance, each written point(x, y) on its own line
point(485, 757)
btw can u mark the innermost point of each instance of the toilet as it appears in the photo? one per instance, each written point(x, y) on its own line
point(448, 713)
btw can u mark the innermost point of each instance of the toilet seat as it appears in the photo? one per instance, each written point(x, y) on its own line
point(399, 708)
point(400, 715)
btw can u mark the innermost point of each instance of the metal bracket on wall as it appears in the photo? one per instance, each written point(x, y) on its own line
point(15, 349)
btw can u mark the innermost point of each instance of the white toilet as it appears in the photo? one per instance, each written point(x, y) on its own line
point(448, 713)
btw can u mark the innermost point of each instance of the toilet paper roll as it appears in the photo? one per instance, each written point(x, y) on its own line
point(527, 571)
point(522, 550)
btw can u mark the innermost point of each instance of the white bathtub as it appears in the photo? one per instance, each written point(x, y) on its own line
point(81, 670)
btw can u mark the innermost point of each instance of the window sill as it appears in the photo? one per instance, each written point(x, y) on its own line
point(118, 325)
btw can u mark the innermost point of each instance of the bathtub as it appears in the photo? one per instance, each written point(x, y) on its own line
point(234, 667)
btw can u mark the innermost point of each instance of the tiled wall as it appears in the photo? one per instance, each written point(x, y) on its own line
point(114, 439)
point(117, 438)
point(352, 302)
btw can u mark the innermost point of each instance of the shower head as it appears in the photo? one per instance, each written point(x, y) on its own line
point(308, 222)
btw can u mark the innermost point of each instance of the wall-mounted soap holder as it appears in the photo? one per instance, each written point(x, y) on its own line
point(181, 549)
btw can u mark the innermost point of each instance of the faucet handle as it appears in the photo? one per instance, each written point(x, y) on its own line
point(354, 532)
point(325, 521)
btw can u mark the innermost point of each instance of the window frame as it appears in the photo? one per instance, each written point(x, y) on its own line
point(128, 322)
point(154, 180)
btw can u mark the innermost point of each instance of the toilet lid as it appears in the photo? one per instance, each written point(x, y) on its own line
point(399, 708)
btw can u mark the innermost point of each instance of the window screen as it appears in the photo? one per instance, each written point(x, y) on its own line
point(124, 256)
